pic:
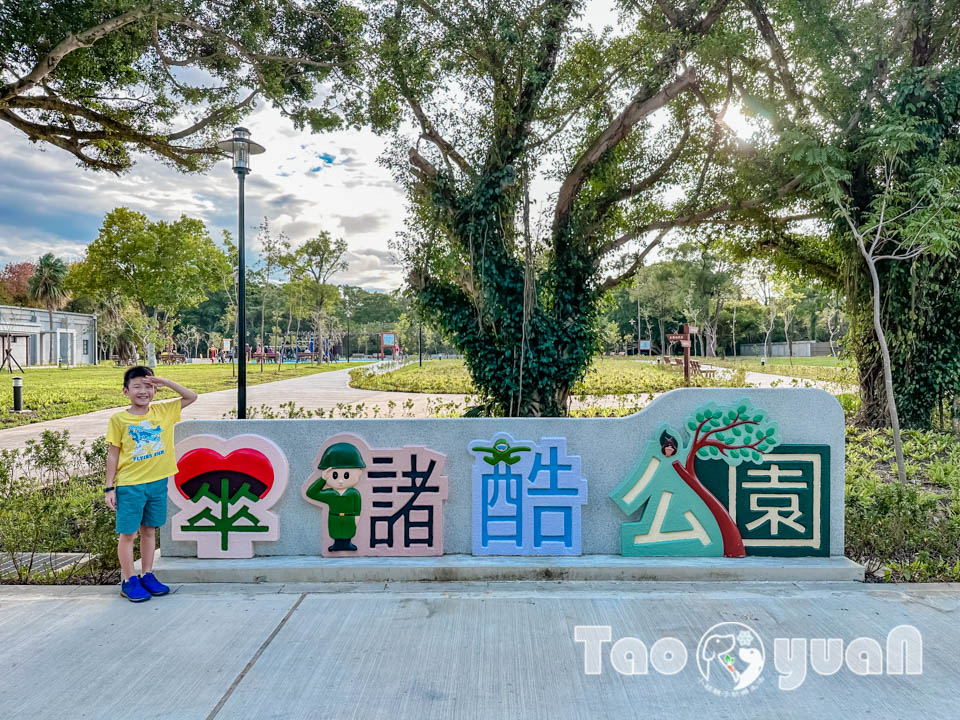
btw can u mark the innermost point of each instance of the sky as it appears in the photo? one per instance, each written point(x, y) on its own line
point(303, 183)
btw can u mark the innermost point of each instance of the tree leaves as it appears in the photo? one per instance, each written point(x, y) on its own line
point(99, 78)
point(737, 433)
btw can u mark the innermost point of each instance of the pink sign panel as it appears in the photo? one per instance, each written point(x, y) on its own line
point(224, 490)
point(377, 501)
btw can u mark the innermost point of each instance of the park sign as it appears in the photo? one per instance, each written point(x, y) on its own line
point(698, 473)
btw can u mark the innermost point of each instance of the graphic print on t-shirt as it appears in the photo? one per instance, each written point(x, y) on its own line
point(148, 440)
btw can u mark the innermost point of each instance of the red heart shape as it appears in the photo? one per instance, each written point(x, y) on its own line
point(204, 460)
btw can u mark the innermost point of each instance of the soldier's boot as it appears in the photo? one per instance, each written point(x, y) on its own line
point(341, 544)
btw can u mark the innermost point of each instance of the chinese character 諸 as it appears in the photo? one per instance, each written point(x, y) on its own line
point(391, 501)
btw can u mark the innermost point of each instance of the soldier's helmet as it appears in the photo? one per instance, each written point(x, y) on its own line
point(341, 455)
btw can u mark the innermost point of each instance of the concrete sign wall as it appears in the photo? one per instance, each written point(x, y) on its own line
point(699, 472)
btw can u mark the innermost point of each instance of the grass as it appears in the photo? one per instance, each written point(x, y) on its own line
point(54, 393)
point(606, 376)
point(819, 361)
point(908, 533)
point(824, 369)
point(436, 376)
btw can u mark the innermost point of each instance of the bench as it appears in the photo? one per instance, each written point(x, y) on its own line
point(173, 359)
point(697, 370)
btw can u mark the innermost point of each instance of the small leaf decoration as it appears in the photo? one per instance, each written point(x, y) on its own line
point(713, 450)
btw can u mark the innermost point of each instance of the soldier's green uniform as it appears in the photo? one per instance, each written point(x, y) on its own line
point(345, 507)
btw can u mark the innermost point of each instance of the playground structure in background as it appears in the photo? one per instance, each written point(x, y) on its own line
point(292, 348)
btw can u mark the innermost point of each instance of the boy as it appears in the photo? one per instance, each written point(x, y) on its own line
point(140, 458)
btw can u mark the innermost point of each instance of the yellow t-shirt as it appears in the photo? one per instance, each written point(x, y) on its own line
point(145, 442)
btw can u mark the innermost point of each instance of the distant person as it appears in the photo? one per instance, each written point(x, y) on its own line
point(140, 459)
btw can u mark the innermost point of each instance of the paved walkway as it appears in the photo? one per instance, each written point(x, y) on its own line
point(504, 651)
point(324, 391)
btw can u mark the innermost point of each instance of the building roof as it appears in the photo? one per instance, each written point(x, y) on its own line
point(30, 308)
point(19, 328)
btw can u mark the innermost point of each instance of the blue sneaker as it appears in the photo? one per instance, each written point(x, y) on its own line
point(133, 591)
point(152, 585)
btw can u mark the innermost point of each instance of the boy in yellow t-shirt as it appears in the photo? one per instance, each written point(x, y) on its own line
point(140, 458)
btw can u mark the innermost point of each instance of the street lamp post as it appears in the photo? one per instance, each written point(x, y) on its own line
point(347, 312)
point(241, 147)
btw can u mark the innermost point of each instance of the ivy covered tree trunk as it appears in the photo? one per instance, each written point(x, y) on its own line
point(921, 314)
point(498, 92)
point(524, 346)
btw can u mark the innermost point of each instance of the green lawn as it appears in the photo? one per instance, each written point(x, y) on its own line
point(822, 361)
point(826, 369)
point(606, 376)
point(53, 393)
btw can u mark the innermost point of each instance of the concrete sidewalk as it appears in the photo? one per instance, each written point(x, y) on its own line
point(451, 650)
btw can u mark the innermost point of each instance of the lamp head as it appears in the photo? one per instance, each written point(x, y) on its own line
point(241, 147)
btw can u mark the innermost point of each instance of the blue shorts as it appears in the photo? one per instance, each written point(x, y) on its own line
point(143, 504)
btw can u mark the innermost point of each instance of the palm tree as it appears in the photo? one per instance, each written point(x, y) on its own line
point(46, 286)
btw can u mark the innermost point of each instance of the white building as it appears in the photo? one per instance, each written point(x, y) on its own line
point(801, 348)
point(25, 331)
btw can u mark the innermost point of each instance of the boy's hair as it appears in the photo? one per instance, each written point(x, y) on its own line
point(137, 371)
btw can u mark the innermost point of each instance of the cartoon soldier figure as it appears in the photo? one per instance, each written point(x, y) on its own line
point(341, 468)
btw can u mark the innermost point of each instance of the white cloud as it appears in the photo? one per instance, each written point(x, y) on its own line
point(48, 204)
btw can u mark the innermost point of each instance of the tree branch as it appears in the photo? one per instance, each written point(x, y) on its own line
point(215, 116)
point(644, 103)
point(787, 81)
point(650, 180)
point(614, 281)
point(430, 133)
point(693, 219)
point(512, 137)
point(49, 62)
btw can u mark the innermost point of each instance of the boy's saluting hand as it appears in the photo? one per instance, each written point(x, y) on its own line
point(187, 397)
point(155, 381)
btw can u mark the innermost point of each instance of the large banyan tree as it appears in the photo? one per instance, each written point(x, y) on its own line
point(547, 160)
point(511, 97)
